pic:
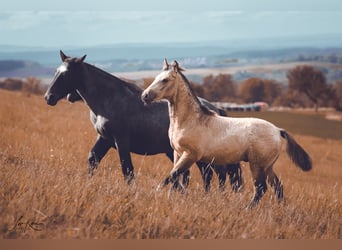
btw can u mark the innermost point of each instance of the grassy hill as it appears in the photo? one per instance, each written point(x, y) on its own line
point(44, 183)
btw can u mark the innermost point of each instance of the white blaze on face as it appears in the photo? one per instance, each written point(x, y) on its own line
point(62, 68)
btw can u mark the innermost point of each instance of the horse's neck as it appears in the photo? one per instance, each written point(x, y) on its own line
point(182, 106)
point(96, 89)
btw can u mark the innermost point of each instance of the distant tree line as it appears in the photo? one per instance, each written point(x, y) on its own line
point(307, 87)
point(30, 85)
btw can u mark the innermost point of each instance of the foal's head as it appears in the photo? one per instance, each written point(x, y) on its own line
point(163, 86)
point(66, 79)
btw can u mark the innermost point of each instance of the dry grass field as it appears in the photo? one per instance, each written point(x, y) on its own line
point(45, 191)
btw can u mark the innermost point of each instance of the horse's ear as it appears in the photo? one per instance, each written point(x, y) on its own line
point(63, 56)
point(176, 68)
point(166, 66)
point(82, 58)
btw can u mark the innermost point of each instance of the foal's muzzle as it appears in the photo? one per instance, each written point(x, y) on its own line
point(147, 97)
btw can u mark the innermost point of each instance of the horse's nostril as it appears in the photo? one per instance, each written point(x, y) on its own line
point(145, 97)
point(50, 99)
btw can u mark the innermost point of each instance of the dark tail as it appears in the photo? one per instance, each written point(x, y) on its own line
point(296, 153)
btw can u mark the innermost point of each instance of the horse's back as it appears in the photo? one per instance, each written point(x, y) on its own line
point(264, 140)
point(236, 139)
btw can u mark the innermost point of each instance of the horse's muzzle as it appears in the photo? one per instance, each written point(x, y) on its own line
point(51, 99)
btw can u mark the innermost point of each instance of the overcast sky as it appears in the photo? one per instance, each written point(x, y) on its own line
point(90, 23)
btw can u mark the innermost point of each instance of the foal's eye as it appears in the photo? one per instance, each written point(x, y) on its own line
point(165, 80)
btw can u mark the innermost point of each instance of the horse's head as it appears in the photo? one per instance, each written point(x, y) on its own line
point(163, 86)
point(66, 79)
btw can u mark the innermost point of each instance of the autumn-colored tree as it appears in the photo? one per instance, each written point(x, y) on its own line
point(219, 88)
point(11, 84)
point(332, 96)
point(33, 85)
point(310, 81)
point(257, 89)
point(197, 88)
point(338, 93)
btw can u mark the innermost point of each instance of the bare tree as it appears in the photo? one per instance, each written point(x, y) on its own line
point(310, 81)
point(219, 88)
point(257, 89)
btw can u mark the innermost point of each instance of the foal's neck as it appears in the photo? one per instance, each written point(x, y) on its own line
point(184, 105)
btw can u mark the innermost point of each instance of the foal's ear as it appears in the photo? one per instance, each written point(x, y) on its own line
point(176, 68)
point(63, 56)
point(81, 59)
point(166, 66)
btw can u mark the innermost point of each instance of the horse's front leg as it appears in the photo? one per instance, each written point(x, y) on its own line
point(235, 176)
point(122, 145)
point(180, 166)
point(98, 151)
point(186, 174)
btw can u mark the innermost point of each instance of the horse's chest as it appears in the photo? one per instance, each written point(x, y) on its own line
point(182, 139)
point(102, 125)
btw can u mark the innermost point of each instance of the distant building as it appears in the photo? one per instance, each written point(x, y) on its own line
point(257, 106)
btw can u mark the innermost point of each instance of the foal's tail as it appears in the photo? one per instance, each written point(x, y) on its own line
point(296, 153)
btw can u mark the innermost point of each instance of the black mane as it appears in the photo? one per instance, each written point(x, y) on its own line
point(131, 86)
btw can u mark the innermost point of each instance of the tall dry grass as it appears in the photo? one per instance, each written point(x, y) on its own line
point(45, 191)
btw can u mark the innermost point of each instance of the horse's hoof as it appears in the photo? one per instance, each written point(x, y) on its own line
point(90, 173)
point(129, 179)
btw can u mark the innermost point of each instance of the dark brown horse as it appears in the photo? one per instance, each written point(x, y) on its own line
point(122, 120)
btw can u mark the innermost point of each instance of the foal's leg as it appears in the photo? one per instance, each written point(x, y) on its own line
point(186, 174)
point(98, 151)
point(274, 181)
point(260, 187)
point(180, 166)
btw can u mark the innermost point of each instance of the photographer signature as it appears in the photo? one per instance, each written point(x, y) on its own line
point(22, 225)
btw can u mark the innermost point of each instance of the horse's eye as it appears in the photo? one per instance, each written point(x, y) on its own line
point(165, 80)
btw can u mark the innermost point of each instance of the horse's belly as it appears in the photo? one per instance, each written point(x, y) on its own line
point(225, 151)
point(224, 157)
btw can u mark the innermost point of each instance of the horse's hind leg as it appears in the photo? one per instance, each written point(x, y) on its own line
point(260, 186)
point(97, 152)
point(274, 181)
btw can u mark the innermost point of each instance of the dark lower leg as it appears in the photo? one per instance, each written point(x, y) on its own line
point(260, 188)
point(96, 154)
point(276, 184)
point(235, 176)
point(206, 173)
